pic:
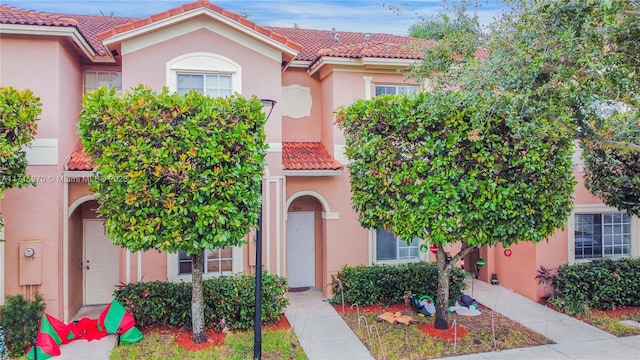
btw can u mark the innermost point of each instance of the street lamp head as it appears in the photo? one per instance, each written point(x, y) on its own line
point(270, 103)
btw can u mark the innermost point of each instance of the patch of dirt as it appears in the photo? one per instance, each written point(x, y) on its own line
point(489, 331)
point(619, 312)
point(184, 337)
point(449, 334)
point(282, 324)
point(372, 309)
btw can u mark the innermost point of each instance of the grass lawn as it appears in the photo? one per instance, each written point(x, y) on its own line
point(160, 344)
point(475, 334)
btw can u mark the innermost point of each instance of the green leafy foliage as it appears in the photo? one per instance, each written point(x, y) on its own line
point(20, 319)
point(613, 173)
point(563, 60)
point(600, 284)
point(174, 172)
point(18, 115)
point(452, 167)
point(388, 284)
point(231, 298)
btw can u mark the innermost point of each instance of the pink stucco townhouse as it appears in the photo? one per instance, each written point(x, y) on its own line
point(56, 245)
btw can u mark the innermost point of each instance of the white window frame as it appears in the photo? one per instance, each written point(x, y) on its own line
point(97, 73)
point(373, 255)
point(599, 209)
point(205, 86)
point(203, 63)
point(397, 87)
point(173, 266)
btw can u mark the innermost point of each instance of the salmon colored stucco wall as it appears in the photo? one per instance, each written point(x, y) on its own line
point(518, 272)
point(261, 76)
point(345, 241)
point(50, 68)
point(307, 128)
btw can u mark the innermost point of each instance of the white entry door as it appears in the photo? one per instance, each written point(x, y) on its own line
point(301, 264)
point(100, 264)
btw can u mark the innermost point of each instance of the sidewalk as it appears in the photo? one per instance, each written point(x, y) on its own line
point(573, 338)
point(321, 331)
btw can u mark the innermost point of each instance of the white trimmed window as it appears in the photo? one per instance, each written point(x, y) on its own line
point(389, 249)
point(214, 85)
point(211, 74)
point(599, 231)
point(222, 261)
point(606, 234)
point(217, 262)
point(95, 79)
point(397, 89)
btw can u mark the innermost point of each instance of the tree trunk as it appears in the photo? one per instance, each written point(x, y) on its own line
point(442, 298)
point(197, 297)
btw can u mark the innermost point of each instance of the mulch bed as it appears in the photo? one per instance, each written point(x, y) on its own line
point(449, 334)
point(184, 337)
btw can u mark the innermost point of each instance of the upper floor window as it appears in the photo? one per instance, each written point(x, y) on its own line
point(217, 262)
point(214, 85)
point(388, 248)
point(606, 234)
point(95, 79)
point(211, 74)
point(397, 89)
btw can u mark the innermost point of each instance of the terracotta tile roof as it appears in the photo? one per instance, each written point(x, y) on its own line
point(307, 156)
point(353, 44)
point(79, 160)
point(88, 26)
point(197, 5)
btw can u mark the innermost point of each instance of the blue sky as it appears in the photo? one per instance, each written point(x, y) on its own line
point(356, 15)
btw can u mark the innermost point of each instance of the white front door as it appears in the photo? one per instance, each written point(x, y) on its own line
point(301, 264)
point(100, 264)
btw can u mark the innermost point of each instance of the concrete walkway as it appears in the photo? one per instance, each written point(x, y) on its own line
point(573, 338)
point(320, 329)
point(88, 350)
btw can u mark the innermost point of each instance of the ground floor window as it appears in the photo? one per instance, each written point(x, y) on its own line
point(606, 234)
point(396, 89)
point(390, 248)
point(217, 262)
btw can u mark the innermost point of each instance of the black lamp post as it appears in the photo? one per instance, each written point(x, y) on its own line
point(257, 326)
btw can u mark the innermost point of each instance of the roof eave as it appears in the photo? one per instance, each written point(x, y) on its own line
point(58, 31)
point(312, 172)
point(366, 61)
point(118, 38)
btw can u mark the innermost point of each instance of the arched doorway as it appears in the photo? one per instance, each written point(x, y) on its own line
point(304, 242)
point(93, 260)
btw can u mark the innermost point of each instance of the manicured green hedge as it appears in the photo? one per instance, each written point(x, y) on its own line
point(600, 284)
point(388, 284)
point(230, 298)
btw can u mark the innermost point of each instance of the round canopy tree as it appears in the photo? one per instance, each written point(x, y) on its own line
point(452, 167)
point(175, 172)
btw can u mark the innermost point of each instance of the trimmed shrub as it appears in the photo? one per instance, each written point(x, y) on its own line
point(600, 284)
point(20, 319)
point(388, 284)
point(228, 300)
